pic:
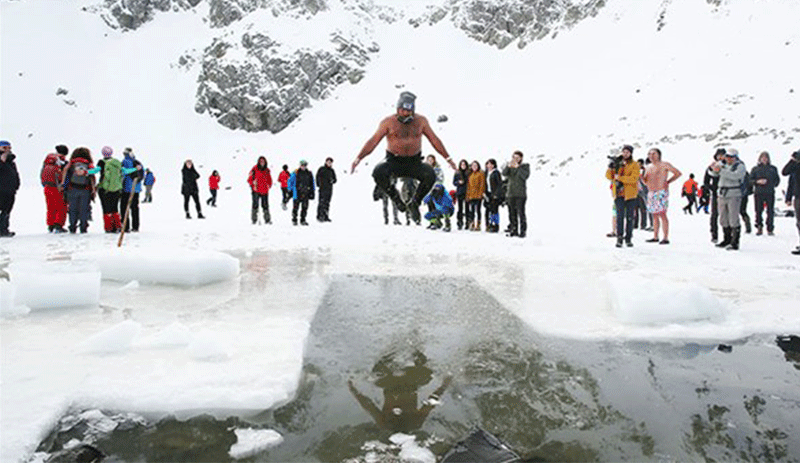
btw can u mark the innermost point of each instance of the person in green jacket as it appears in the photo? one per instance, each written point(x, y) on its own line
point(517, 174)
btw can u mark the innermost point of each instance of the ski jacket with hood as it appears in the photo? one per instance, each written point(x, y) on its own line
point(460, 182)
point(766, 172)
point(302, 184)
point(792, 169)
point(283, 178)
point(495, 183)
point(689, 187)
point(260, 178)
point(190, 176)
point(326, 177)
point(213, 182)
point(441, 200)
point(9, 176)
point(130, 162)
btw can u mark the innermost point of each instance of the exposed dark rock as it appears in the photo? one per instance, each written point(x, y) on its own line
point(130, 14)
point(502, 23)
point(442, 118)
point(269, 88)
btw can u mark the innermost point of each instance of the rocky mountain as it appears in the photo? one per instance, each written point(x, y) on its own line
point(251, 79)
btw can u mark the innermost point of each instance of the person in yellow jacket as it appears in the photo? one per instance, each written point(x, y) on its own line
point(626, 189)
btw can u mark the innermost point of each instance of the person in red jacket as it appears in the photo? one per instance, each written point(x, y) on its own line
point(690, 193)
point(260, 181)
point(56, 207)
point(213, 186)
point(283, 178)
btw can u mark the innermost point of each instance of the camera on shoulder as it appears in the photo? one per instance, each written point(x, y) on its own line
point(615, 162)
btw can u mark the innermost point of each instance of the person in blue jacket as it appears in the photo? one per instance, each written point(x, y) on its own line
point(149, 181)
point(441, 205)
point(301, 184)
point(131, 182)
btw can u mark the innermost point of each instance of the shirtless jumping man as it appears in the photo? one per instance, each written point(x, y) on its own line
point(403, 132)
point(655, 178)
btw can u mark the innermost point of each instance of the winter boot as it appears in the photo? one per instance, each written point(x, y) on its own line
point(746, 220)
point(446, 223)
point(267, 219)
point(200, 215)
point(727, 234)
point(188, 216)
point(254, 215)
point(735, 234)
point(759, 231)
point(116, 222)
point(108, 223)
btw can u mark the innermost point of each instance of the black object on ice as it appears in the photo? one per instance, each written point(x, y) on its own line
point(481, 446)
point(725, 348)
point(789, 343)
point(83, 453)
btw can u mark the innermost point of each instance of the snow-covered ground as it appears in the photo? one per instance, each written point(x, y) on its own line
point(148, 343)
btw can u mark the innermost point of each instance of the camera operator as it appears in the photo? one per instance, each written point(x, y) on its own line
point(9, 184)
point(624, 171)
point(792, 169)
point(731, 187)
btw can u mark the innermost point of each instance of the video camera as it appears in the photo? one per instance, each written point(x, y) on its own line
point(615, 162)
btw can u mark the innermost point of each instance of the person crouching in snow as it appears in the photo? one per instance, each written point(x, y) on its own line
point(260, 180)
point(441, 206)
point(56, 207)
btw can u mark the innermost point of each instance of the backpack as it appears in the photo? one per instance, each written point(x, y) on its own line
point(746, 185)
point(112, 175)
point(80, 174)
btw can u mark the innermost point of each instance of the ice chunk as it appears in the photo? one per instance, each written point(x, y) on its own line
point(7, 306)
point(174, 335)
point(250, 442)
point(637, 300)
point(410, 451)
point(130, 286)
point(207, 346)
point(180, 267)
point(55, 284)
point(118, 338)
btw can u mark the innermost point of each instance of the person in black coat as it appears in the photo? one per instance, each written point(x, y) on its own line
point(189, 188)
point(326, 177)
point(765, 179)
point(494, 196)
point(301, 182)
point(9, 184)
point(710, 183)
point(792, 169)
point(460, 182)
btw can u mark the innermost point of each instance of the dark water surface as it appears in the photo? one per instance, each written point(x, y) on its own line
point(434, 357)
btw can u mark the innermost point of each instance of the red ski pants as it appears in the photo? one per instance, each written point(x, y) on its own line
point(56, 207)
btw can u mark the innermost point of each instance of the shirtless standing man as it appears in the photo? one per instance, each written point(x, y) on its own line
point(403, 132)
point(655, 178)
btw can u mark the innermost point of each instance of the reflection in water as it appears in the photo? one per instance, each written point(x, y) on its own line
point(400, 384)
point(547, 399)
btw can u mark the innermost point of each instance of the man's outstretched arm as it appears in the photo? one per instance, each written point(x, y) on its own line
point(383, 129)
point(437, 144)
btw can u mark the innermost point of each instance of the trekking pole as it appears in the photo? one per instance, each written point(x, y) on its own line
point(127, 212)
